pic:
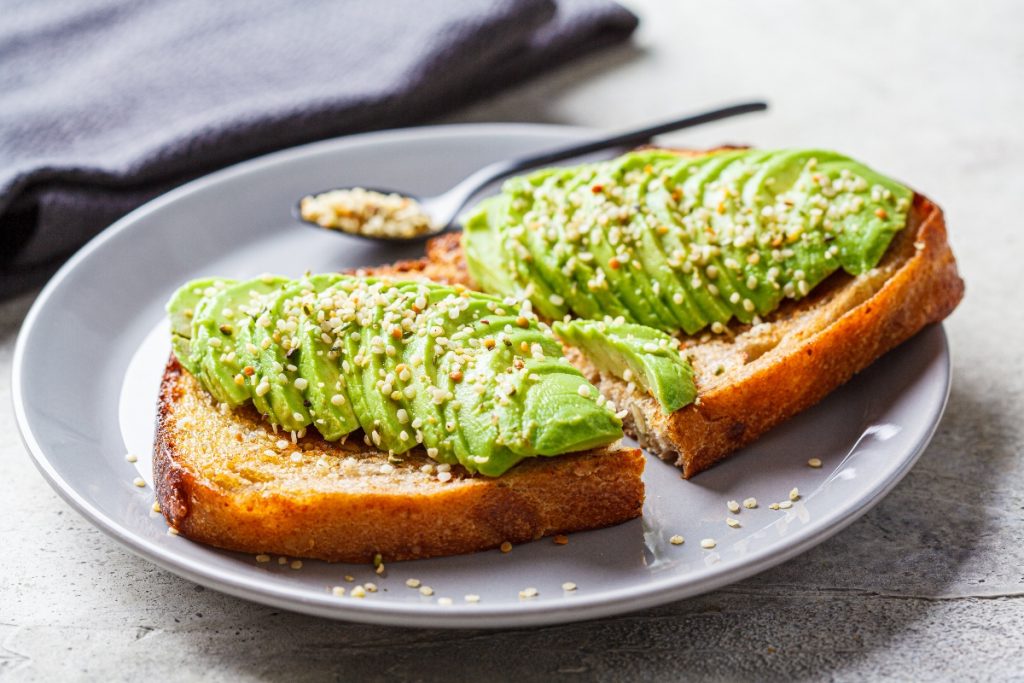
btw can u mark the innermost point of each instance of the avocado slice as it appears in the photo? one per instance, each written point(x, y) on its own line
point(276, 342)
point(635, 353)
point(220, 351)
point(181, 310)
point(319, 364)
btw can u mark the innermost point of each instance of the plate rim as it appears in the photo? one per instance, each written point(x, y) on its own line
point(615, 601)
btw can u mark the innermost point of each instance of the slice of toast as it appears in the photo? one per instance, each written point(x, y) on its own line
point(224, 477)
point(755, 377)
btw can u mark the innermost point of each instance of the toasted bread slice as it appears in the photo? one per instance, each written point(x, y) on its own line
point(223, 478)
point(758, 376)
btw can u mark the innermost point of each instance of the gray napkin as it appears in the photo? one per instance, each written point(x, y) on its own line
point(107, 103)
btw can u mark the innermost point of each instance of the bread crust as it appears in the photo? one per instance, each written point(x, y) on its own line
point(222, 479)
point(757, 377)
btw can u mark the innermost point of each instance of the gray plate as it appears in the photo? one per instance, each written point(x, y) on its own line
point(89, 358)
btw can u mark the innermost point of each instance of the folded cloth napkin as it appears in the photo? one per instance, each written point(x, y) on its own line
point(107, 103)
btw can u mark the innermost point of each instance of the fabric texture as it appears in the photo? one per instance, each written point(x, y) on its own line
point(106, 103)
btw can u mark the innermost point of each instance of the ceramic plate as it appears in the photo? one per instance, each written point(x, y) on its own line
point(89, 359)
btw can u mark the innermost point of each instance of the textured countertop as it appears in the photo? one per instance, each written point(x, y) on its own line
point(928, 585)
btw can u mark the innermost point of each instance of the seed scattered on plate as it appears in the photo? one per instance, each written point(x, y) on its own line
point(370, 587)
point(794, 494)
point(733, 506)
point(131, 457)
point(568, 586)
point(412, 583)
point(561, 539)
point(750, 503)
point(785, 505)
point(338, 591)
point(814, 462)
point(282, 560)
point(506, 547)
point(156, 507)
point(444, 602)
point(472, 598)
point(358, 592)
point(734, 523)
point(296, 564)
point(708, 543)
point(349, 578)
point(773, 506)
point(426, 590)
point(139, 481)
point(529, 593)
point(676, 540)
point(263, 559)
point(171, 531)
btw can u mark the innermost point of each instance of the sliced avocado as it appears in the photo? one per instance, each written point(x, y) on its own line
point(319, 364)
point(277, 343)
point(477, 381)
point(635, 353)
point(220, 352)
point(181, 310)
point(378, 379)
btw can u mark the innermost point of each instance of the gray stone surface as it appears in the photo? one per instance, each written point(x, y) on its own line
point(928, 585)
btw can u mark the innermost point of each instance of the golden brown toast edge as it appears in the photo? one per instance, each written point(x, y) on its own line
point(539, 497)
point(916, 284)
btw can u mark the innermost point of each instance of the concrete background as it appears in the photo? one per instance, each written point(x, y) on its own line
point(929, 585)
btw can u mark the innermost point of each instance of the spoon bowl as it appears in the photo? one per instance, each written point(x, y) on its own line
point(428, 205)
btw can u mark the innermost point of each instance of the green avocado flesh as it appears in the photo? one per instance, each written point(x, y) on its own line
point(682, 242)
point(636, 353)
point(473, 379)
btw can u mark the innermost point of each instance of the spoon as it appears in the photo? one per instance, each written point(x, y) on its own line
point(444, 209)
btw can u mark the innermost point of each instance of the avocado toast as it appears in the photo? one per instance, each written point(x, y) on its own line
point(687, 242)
point(270, 377)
